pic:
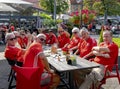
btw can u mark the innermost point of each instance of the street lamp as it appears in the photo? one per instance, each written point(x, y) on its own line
point(81, 7)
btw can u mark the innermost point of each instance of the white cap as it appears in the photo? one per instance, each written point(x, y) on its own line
point(16, 33)
point(41, 36)
point(9, 36)
point(75, 29)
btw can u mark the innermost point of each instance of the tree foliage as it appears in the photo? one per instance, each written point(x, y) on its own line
point(111, 6)
point(61, 6)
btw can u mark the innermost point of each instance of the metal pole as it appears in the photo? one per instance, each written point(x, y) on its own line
point(81, 13)
point(105, 12)
point(81, 8)
point(54, 10)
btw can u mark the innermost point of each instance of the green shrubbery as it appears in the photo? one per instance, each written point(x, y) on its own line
point(117, 41)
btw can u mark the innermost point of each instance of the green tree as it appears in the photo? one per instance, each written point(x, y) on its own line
point(48, 5)
point(112, 6)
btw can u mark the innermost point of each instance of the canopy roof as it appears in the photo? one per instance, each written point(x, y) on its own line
point(15, 2)
point(6, 8)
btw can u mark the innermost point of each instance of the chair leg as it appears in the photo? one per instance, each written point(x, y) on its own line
point(10, 75)
point(10, 86)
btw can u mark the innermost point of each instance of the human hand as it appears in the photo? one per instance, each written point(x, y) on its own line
point(52, 71)
point(96, 53)
point(96, 48)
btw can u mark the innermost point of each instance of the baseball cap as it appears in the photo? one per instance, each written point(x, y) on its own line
point(41, 36)
point(9, 36)
point(75, 29)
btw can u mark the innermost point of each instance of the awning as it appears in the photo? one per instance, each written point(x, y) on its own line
point(15, 2)
point(6, 8)
point(63, 16)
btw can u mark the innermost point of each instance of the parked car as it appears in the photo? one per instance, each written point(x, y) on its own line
point(112, 24)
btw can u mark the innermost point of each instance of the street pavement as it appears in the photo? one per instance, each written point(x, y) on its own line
point(5, 69)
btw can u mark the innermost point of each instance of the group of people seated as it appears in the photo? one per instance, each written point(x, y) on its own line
point(25, 48)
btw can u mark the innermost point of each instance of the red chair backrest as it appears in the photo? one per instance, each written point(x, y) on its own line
point(28, 77)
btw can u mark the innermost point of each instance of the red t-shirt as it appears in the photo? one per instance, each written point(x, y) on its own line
point(23, 42)
point(113, 54)
point(12, 28)
point(63, 39)
point(31, 53)
point(74, 42)
point(85, 46)
point(14, 53)
point(47, 36)
point(51, 39)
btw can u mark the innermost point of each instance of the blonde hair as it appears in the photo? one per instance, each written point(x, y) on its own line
point(84, 30)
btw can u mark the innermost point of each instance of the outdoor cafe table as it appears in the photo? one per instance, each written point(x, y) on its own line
point(62, 66)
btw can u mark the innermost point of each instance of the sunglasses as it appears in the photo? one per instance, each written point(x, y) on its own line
point(75, 32)
point(60, 31)
point(12, 39)
point(23, 34)
point(42, 39)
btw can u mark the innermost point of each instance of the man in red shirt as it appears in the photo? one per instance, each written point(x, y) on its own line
point(106, 54)
point(74, 41)
point(11, 51)
point(35, 53)
point(86, 44)
point(23, 39)
point(63, 38)
point(52, 39)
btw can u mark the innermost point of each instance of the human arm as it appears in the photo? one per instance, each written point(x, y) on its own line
point(88, 55)
point(45, 62)
point(76, 52)
point(29, 36)
point(105, 55)
point(97, 48)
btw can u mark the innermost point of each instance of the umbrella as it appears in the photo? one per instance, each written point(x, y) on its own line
point(6, 8)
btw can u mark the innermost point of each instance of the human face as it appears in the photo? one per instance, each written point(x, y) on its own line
point(84, 35)
point(60, 31)
point(42, 41)
point(107, 37)
point(22, 34)
point(75, 34)
point(11, 41)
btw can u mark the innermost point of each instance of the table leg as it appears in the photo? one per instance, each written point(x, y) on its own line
point(71, 80)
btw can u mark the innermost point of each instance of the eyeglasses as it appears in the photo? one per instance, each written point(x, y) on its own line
point(12, 39)
point(75, 32)
point(42, 39)
point(60, 31)
point(23, 34)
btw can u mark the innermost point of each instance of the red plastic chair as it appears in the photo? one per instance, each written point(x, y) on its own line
point(28, 78)
point(111, 74)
